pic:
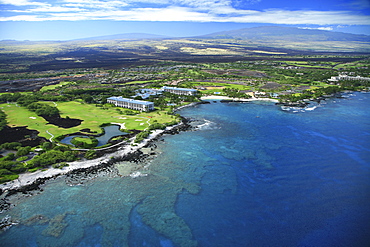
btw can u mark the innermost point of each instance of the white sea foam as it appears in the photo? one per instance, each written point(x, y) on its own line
point(311, 108)
point(137, 174)
point(207, 125)
point(300, 109)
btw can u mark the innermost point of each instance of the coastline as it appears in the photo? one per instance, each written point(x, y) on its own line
point(30, 181)
point(215, 97)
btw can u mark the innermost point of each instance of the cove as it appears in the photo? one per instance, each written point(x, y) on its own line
point(251, 175)
point(109, 132)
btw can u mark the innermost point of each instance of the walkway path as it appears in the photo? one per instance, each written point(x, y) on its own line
point(52, 136)
point(148, 124)
point(100, 149)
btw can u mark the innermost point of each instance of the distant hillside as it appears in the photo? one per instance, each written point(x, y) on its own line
point(293, 34)
point(126, 36)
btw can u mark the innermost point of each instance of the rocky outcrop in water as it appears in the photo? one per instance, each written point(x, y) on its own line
point(6, 223)
point(294, 104)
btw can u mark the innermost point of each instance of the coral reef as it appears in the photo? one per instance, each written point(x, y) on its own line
point(56, 226)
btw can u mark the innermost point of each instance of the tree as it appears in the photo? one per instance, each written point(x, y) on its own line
point(9, 157)
point(3, 121)
point(47, 159)
point(47, 145)
point(22, 151)
point(43, 109)
point(11, 145)
point(91, 154)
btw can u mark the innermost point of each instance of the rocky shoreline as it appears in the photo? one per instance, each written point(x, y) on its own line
point(31, 183)
point(306, 102)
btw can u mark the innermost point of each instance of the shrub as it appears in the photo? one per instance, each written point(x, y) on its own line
point(23, 158)
point(85, 142)
point(47, 159)
point(11, 145)
point(34, 169)
point(60, 165)
point(18, 168)
point(62, 148)
point(22, 151)
point(142, 135)
point(155, 126)
point(9, 157)
point(6, 176)
point(47, 145)
point(91, 154)
point(3, 121)
point(43, 109)
point(59, 138)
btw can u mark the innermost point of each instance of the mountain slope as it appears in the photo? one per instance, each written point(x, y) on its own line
point(126, 36)
point(293, 34)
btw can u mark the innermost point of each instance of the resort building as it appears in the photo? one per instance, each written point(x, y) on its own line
point(138, 105)
point(180, 91)
point(147, 92)
point(349, 78)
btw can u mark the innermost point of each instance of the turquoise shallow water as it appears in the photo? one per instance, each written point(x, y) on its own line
point(252, 175)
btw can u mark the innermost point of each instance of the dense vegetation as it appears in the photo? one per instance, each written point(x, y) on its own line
point(22, 159)
point(290, 79)
point(43, 109)
point(84, 142)
point(3, 121)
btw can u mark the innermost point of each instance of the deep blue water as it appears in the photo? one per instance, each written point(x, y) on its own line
point(252, 175)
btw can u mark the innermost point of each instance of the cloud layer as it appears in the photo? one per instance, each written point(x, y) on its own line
point(170, 10)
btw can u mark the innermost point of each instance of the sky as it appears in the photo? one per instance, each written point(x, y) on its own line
point(74, 19)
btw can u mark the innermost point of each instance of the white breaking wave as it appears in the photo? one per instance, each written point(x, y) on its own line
point(299, 109)
point(208, 125)
point(137, 174)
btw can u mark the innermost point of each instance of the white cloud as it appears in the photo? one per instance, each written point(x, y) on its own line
point(48, 9)
point(95, 4)
point(203, 3)
point(21, 2)
point(174, 10)
point(361, 4)
point(318, 28)
point(325, 28)
point(302, 17)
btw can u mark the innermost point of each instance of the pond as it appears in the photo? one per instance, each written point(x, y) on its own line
point(110, 131)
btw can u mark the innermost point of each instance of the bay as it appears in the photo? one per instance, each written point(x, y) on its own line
point(251, 175)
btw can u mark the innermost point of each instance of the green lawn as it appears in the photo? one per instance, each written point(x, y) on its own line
point(52, 87)
point(83, 139)
point(91, 115)
point(225, 84)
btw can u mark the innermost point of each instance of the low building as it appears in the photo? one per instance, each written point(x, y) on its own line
point(349, 78)
point(260, 94)
point(180, 91)
point(138, 105)
point(147, 92)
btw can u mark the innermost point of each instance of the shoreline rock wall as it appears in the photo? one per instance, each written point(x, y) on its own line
point(74, 175)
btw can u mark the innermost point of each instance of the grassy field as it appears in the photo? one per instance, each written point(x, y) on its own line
point(209, 51)
point(217, 87)
point(308, 65)
point(91, 115)
point(52, 87)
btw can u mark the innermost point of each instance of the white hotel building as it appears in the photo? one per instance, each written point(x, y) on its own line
point(138, 105)
point(180, 91)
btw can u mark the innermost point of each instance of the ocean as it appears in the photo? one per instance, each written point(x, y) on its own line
point(252, 174)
